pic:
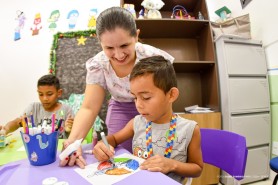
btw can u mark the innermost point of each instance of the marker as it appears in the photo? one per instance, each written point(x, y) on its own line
point(32, 119)
point(53, 122)
point(104, 140)
point(70, 149)
point(24, 126)
point(59, 124)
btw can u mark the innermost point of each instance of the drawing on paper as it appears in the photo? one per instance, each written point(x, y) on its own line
point(121, 166)
point(101, 172)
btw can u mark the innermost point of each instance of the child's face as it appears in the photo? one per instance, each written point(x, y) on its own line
point(151, 102)
point(119, 46)
point(48, 96)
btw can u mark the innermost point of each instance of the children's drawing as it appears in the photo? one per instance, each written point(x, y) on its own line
point(20, 24)
point(105, 165)
point(122, 166)
point(108, 173)
point(54, 17)
point(117, 171)
point(131, 9)
point(72, 17)
point(92, 19)
point(37, 24)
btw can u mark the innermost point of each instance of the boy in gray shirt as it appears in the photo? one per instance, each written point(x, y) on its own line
point(48, 88)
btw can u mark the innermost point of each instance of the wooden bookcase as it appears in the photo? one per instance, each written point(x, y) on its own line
point(190, 42)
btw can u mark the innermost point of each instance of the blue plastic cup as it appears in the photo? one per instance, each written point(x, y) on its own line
point(41, 149)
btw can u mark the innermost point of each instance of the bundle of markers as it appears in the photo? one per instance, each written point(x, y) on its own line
point(31, 129)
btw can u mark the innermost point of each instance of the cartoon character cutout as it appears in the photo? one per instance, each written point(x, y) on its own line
point(92, 19)
point(20, 24)
point(54, 17)
point(37, 24)
point(72, 17)
point(34, 157)
point(139, 152)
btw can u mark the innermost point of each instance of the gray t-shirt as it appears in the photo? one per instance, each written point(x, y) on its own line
point(40, 115)
point(184, 132)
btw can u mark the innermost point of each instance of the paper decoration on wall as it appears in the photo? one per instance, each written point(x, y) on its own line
point(66, 56)
point(105, 173)
point(92, 18)
point(131, 9)
point(81, 40)
point(70, 56)
point(20, 24)
point(37, 24)
point(72, 17)
point(54, 17)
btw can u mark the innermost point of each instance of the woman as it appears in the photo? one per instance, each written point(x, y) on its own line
point(109, 70)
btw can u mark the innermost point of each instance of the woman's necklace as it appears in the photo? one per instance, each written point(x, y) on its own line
point(170, 137)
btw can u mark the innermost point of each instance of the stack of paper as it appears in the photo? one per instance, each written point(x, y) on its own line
point(197, 109)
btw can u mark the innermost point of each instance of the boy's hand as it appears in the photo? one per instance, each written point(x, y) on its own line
point(102, 153)
point(157, 163)
point(68, 123)
point(75, 158)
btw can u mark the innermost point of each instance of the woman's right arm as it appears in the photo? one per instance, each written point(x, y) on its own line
point(84, 119)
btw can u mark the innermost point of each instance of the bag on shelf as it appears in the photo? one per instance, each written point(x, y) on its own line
point(238, 26)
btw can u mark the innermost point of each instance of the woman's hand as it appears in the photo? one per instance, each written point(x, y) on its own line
point(75, 158)
point(157, 163)
point(102, 153)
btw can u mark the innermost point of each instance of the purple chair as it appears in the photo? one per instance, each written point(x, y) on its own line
point(225, 150)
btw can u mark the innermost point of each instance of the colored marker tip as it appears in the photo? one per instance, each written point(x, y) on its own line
point(62, 113)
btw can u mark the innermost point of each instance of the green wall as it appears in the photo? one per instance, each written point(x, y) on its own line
point(273, 87)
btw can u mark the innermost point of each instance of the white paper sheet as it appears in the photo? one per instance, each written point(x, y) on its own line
point(102, 179)
point(22, 148)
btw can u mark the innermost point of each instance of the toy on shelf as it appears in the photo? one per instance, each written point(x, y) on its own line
point(152, 8)
point(141, 14)
point(179, 12)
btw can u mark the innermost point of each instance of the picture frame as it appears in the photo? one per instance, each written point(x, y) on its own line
point(244, 3)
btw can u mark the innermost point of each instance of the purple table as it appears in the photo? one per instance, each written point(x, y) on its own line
point(21, 172)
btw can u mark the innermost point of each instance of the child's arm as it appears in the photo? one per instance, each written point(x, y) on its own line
point(11, 126)
point(192, 168)
point(102, 153)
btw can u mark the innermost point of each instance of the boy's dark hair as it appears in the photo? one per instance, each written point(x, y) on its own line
point(115, 17)
point(49, 80)
point(164, 76)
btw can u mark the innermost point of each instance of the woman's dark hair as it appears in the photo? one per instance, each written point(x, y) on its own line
point(115, 17)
